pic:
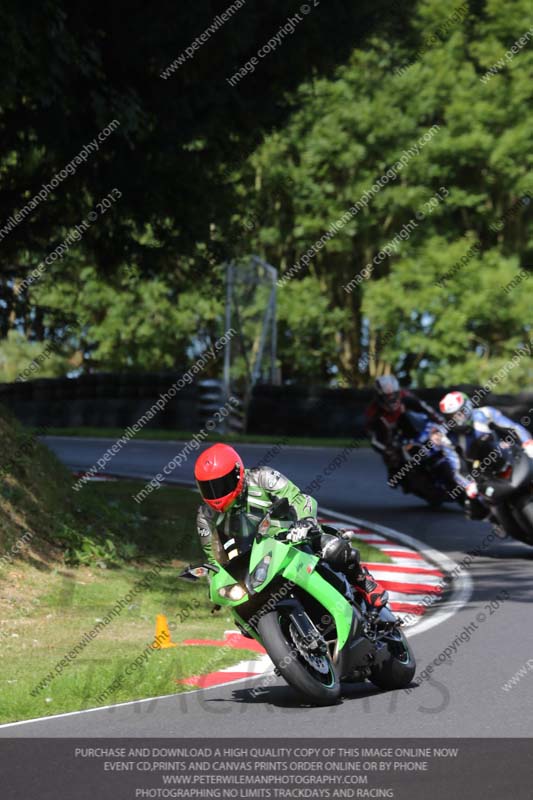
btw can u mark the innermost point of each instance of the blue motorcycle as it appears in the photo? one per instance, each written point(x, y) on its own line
point(417, 462)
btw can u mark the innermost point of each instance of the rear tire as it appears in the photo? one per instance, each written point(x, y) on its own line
point(399, 670)
point(324, 690)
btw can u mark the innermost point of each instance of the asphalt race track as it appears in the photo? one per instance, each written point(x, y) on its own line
point(462, 697)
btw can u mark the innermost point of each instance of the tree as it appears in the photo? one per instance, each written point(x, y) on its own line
point(468, 181)
point(71, 71)
point(21, 360)
point(130, 322)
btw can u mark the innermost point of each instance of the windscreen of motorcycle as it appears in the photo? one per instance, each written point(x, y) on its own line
point(240, 530)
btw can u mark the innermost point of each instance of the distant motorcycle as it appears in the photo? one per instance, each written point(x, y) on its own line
point(503, 471)
point(416, 460)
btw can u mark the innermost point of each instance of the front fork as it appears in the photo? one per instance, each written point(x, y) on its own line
point(305, 627)
point(327, 595)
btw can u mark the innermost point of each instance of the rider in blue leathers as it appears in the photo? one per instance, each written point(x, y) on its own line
point(465, 424)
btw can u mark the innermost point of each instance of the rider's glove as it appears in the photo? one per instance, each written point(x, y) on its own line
point(301, 529)
point(437, 437)
point(528, 447)
point(471, 490)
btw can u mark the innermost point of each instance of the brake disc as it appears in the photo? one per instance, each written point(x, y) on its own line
point(319, 662)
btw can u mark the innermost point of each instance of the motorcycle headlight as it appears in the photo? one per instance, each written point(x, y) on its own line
point(259, 575)
point(234, 592)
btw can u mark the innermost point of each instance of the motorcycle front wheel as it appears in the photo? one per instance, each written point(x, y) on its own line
point(509, 520)
point(313, 676)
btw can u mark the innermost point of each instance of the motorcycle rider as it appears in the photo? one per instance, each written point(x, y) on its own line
point(236, 498)
point(466, 424)
point(383, 416)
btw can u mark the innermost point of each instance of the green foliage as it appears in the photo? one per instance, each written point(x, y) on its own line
point(209, 171)
point(174, 141)
point(308, 341)
point(130, 322)
point(345, 133)
point(38, 506)
point(463, 331)
point(86, 548)
point(24, 360)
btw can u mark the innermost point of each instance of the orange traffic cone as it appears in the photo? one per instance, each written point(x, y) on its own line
point(162, 634)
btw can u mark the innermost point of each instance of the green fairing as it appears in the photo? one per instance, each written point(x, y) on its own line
point(315, 585)
point(299, 568)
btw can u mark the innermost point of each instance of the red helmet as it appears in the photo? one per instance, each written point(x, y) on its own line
point(219, 473)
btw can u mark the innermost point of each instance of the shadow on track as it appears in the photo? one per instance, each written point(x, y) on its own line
point(287, 698)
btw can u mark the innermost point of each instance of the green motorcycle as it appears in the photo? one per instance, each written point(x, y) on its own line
point(295, 605)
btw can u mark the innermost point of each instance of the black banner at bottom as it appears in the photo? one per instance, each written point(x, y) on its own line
point(135, 769)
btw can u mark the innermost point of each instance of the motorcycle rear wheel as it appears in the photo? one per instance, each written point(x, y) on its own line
point(398, 671)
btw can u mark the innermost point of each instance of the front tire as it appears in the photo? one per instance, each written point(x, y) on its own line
point(511, 525)
point(426, 490)
point(525, 515)
point(399, 669)
point(320, 689)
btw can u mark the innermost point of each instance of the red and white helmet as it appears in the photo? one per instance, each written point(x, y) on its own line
point(458, 410)
point(219, 473)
